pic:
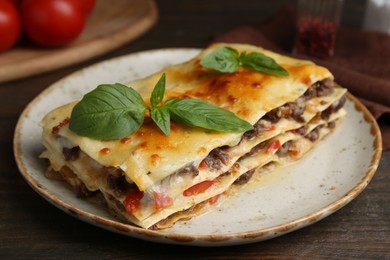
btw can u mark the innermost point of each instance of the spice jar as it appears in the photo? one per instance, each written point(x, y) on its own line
point(317, 25)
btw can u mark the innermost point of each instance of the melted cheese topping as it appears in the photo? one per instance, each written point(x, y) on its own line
point(149, 156)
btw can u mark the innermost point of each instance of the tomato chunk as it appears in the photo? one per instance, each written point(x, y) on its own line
point(133, 201)
point(273, 146)
point(58, 127)
point(213, 200)
point(161, 200)
point(202, 165)
point(198, 188)
point(270, 128)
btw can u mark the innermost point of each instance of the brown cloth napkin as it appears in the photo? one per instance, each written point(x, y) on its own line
point(361, 62)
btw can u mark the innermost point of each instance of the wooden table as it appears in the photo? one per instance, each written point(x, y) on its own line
point(30, 227)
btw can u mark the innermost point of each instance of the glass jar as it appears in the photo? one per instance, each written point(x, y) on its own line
point(317, 25)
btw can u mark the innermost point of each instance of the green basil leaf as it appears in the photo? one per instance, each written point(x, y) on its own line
point(108, 112)
point(242, 56)
point(197, 112)
point(224, 59)
point(161, 117)
point(158, 91)
point(260, 62)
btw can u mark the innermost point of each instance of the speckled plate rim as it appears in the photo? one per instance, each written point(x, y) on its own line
point(202, 240)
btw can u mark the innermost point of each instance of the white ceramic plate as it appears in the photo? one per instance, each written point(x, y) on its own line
point(333, 174)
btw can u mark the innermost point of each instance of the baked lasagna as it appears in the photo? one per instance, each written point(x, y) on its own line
point(153, 180)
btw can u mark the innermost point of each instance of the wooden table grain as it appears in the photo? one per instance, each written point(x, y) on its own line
point(30, 227)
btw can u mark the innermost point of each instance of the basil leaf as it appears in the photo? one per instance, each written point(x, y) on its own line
point(224, 59)
point(242, 56)
point(259, 62)
point(228, 60)
point(158, 91)
point(161, 117)
point(197, 112)
point(108, 112)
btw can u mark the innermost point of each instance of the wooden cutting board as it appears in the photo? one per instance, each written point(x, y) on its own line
point(110, 25)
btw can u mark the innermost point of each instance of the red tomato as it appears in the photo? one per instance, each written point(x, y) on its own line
point(213, 200)
point(88, 5)
point(198, 188)
point(274, 146)
point(133, 200)
point(270, 128)
point(202, 165)
point(161, 200)
point(9, 25)
point(52, 23)
point(15, 2)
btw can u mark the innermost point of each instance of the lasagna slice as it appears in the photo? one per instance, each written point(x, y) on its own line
point(153, 180)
